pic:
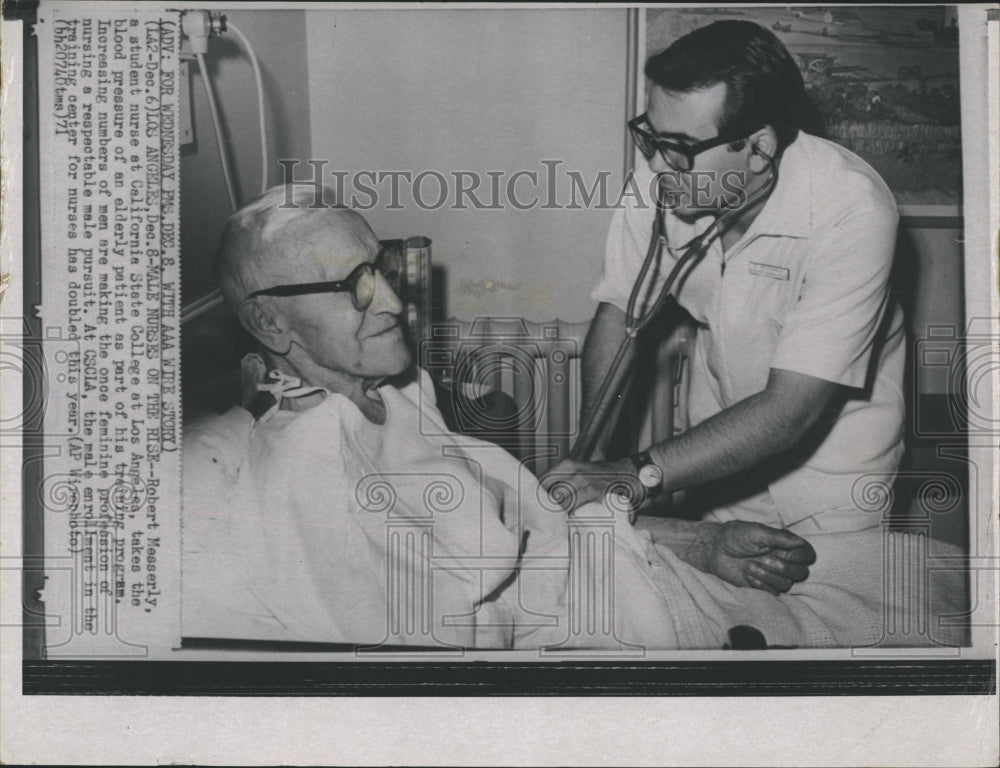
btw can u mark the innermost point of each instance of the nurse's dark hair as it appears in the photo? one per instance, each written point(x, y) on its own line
point(763, 83)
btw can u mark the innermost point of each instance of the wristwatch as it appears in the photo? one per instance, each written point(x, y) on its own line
point(650, 475)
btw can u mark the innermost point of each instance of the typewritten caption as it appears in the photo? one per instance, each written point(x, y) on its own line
point(110, 313)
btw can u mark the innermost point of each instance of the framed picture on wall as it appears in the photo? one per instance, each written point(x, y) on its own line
point(884, 81)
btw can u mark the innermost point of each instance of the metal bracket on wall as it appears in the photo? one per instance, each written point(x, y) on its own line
point(186, 121)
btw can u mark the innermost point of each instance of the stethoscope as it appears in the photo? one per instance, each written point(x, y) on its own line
point(691, 254)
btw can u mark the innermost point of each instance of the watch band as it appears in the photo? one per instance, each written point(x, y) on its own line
point(641, 460)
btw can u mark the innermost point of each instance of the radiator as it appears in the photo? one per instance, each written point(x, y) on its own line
point(537, 366)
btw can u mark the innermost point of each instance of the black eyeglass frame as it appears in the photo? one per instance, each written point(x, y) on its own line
point(648, 143)
point(349, 283)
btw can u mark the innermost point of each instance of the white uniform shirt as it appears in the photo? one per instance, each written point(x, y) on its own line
point(805, 290)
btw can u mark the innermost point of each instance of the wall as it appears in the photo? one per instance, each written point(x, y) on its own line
point(929, 280)
point(279, 38)
point(501, 90)
point(928, 277)
point(463, 90)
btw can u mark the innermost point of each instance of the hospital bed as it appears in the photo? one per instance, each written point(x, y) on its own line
point(536, 366)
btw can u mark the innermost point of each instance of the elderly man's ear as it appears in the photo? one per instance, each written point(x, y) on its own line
point(266, 326)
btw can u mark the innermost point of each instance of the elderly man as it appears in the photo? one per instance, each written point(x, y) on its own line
point(323, 514)
point(796, 383)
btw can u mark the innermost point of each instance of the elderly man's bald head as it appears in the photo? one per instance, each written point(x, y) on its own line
point(279, 238)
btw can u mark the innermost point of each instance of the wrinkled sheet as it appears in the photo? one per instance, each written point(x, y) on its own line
point(870, 588)
point(319, 526)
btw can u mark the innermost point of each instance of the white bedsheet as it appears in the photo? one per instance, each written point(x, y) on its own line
point(319, 526)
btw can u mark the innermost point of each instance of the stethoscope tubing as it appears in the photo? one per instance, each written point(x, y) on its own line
point(694, 251)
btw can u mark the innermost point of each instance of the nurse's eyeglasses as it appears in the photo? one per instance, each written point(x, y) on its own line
point(360, 283)
point(678, 156)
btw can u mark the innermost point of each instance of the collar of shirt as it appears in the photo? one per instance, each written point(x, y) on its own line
point(265, 404)
point(271, 391)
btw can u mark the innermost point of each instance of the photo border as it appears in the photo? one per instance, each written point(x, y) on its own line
point(900, 676)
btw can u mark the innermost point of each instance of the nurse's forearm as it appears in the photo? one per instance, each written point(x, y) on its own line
point(745, 434)
point(730, 442)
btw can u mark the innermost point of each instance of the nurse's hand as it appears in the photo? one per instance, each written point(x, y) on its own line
point(571, 484)
point(755, 555)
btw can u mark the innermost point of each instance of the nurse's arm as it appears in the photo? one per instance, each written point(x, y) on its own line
point(734, 440)
point(745, 434)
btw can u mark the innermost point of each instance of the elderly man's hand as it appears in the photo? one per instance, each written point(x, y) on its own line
point(572, 484)
point(755, 555)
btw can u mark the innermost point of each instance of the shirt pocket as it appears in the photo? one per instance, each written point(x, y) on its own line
point(762, 288)
point(774, 279)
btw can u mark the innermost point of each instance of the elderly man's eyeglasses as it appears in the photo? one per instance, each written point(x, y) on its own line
point(678, 156)
point(360, 283)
